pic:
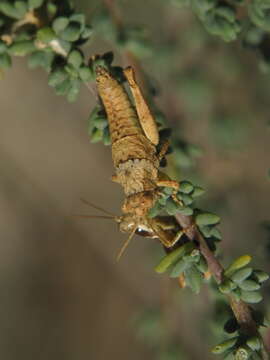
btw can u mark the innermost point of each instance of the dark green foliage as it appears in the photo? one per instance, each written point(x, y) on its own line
point(259, 13)
point(98, 127)
point(55, 46)
point(242, 282)
point(186, 261)
point(41, 58)
point(14, 10)
point(171, 202)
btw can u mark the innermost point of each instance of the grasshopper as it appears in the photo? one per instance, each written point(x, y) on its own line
point(134, 137)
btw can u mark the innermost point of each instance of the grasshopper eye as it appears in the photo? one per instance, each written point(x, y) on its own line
point(142, 232)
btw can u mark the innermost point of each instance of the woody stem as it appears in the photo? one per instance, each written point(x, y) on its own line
point(241, 310)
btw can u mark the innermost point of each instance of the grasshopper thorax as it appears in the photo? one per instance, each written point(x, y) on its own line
point(139, 204)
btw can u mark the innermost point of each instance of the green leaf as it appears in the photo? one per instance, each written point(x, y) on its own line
point(64, 87)
point(198, 191)
point(261, 276)
point(21, 8)
point(172, 257)
point(193, 279)
point(5, 61)
point(96, 136)
point(242, 274)
point(46, 35)
point(60, 24)
point(226, 12)
point(75, 58)
point(186, 187)
point(87, 32)
point(187, 199)
point(251, 297)
point(162, 199)
point(207, 219)
point(72, 32)
point(185, 210)
point(239, 263)
point(56, 77)
point(52, 9)
point(168, 190)
point(215, 233)
point(227, 286)
point(155, 210)
point(33, 4)
point(100, 122)
point(202, 7)
point(258, 12)
point(206, 231)
point(10, 10)
point(202, 265)
point(225, 345)
point(86, 74)
point(41, 58)
point(171, 207)
point(79, 18)
point(249, 285)
point(180, 267)
point(22, 48)
point(236, 293)
point(74, 90)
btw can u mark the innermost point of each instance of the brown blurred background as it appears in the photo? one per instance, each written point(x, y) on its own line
point(62, 294)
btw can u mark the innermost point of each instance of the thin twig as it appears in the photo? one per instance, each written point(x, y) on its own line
point(241, 310)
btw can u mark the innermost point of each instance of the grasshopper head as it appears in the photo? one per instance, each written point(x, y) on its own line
point(135, 219)
point(135, 211)
point(127, 223)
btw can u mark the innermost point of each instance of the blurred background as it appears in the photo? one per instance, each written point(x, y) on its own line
point(63, 296)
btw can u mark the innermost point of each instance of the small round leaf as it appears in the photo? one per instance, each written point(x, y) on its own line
point(207, 219)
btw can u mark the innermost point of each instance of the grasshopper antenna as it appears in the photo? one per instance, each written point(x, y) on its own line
point(97, 207)
point(123, 248)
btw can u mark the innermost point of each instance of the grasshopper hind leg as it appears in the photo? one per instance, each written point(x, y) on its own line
point(167, 237)
point(145, 116)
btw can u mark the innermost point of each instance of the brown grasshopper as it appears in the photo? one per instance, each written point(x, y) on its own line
point(134, 137)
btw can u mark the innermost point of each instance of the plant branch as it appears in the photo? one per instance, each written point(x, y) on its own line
point(241, 310)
